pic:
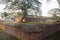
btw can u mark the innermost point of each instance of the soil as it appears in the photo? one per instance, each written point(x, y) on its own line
point(54, 36)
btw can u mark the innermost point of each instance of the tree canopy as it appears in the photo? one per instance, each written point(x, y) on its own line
point(24, 5)
point(5, 14)
point(55, 13)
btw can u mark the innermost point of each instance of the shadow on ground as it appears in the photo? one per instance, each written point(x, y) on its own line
point(5, 36)
point(54, 36)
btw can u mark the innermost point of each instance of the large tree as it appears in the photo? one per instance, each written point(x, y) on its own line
point(24, 5)
point(55, 13)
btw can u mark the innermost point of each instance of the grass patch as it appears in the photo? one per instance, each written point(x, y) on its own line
point(30, 23)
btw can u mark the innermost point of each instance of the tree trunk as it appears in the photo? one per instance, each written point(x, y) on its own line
point(24, 17)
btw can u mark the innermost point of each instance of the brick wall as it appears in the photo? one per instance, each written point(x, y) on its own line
point(21, 35)
point(46, 31)
point(35, 20)
point(2, 26)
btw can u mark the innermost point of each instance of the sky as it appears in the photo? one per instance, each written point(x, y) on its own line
point(46, 6)
point(2, 7)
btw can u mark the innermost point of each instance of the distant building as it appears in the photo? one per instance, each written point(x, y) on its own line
point(31, 18)
point(35, 19)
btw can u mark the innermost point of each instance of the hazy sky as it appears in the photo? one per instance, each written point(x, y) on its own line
point(1, 7)
point(45, 6)
point(48, 6)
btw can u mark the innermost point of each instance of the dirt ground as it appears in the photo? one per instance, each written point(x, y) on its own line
point(54, 36)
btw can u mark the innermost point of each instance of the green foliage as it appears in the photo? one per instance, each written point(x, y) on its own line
point(54, 12)
point(5, 14)
point(18, 14)
point(24, 5)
